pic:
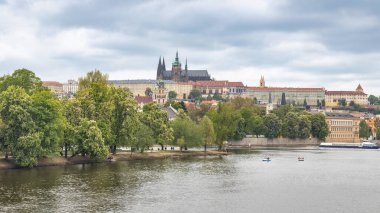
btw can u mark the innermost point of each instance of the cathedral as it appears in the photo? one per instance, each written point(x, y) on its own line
point(178, 74)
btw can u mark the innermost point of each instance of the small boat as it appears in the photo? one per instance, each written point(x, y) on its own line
point(267, 159)
point(301, 159)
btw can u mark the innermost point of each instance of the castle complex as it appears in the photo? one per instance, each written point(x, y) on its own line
point(178, 74)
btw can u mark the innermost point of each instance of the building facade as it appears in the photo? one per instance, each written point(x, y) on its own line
point(138, 87)
point(358, 96)
point(343, 127)
point(178, 74)
point(55, 87)
point(295, 96)
point(223, 88)
point(70, 88)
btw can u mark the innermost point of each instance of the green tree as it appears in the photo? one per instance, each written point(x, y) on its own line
point(240, 132)
point(144, 137)
point(290, 126)
point(304, 127)
point(186, 129)
point(342, 102)
point(195, 94)
point(377, 128)
point(364, 131)
point(148, 92)
point(225, 120)
point(124, 118)
point(373, 100)
point(283, 99)
point(23, 78)
point(319, 127)
point(271, 126)
point(92, 77)
point(27, 150)
point(207, 132)
point(304, 102)
point(158, 121)
point(172, 95)
point(255, 125)
point(323, 103)
point(73, 115)
point(90, 140)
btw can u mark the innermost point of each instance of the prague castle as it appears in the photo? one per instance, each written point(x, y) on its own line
point(178, 74)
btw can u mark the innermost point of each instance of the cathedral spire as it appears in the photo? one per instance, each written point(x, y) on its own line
point(163, 63)
point(159, 69)
point(186, 65)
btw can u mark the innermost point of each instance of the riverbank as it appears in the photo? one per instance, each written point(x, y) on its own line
point(121, 156)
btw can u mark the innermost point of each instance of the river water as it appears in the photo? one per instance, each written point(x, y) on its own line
point(329, 180)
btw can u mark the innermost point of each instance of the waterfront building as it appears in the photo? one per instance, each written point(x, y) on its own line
point(55, 87)
point(223, 88)
point(343, 127)
point(293, 95)
point(138, 87)
point(178, 74)
point(358, 96)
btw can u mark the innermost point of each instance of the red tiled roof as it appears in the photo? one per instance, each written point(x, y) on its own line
point(235, 84)
point(144, 99)
point(285, 89)
point(344, 93)
point(216, 84)
point(51, 83)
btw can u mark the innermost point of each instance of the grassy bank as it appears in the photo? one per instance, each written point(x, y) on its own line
point(121, 156)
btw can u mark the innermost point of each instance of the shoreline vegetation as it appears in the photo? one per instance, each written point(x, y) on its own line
point(120, 156)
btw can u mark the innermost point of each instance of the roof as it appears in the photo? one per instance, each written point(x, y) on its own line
point(338, 115)
point(344, 93)
point(321, 89)
point(170, 111)
point(235, 84)
point(140, 81)
point(359, 88)
point(51, 83)
point(144, 99)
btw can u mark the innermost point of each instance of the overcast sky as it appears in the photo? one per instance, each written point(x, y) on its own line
point(295, 43)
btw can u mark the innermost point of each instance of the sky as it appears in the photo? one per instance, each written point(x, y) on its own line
point(292, 43)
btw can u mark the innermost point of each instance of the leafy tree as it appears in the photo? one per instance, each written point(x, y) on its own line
point(240, 132)
point(282, 111)
point(198, 112)
point(342, 102)
point(225, 120)
point(209, 97)
point(319, 104)
point(217, 97)
point(47, 115)
point(124, 118)
point(23, 78)
point(172, 95)
point(304, 102)
point(207, 132)
point(73, 114)
point(176, 105)
point(319, 127)
point(255, 125)
point(148, 92)
point(323, 103)
point(184, 128)
point(90, 140)
point(158, 121)
point(304, 127)
point(27, 150)
point(373, 100)
point(364, 131)
point(240, 102)
point(92, 77)
point(290, 126)
point(271, 126)
point(195, 94)
point(377, 127)
point(144, 137)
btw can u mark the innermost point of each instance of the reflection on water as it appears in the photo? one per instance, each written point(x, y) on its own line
point(328, 181)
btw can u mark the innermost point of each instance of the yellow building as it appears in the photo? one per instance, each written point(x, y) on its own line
point(358, 96)
point(343, 127)
point(138, 87)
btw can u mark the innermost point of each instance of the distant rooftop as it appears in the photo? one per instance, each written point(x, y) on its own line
point(339, 115)
point(140, 81)
point(318, 89)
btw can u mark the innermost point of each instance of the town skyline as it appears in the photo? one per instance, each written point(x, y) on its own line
point(314, 44)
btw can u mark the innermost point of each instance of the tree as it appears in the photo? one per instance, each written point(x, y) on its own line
point(23, 78)
point(90, 141)
point(240, 130)
point(373, 100)
point(319, 127)
point(323, 103)
point(92, 77)
point(15, 115)
point(255, 125)
point(124, 118)
point(283, 99)
point(364, 131)
point(290, 125)
point(72, 113)
point(27, 150)
point(144, 137)
point(195, 94)
point(172, 95)
point(148, 92)
point(225, 120)
point(319, 104)
point(271, 126)
point(377, 128)
point(207, 131)
point(304, 102)
point(304, 127)
point(351, 104)
point(342, 102)
point(185, 131)
point(158, 121)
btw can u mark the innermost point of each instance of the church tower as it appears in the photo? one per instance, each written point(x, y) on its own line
point(359, 88)
point(262, 81)
point(176, 69)
point(159, 70)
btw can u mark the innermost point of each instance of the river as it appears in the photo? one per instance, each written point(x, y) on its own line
point(329, 180)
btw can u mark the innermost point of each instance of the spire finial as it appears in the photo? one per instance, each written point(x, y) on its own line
point(186, 64)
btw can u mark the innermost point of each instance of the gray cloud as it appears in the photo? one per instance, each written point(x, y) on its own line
point(332, 44)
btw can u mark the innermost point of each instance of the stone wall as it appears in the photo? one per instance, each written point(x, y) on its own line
point(275, 142)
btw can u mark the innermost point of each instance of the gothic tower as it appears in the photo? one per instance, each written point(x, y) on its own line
point(262, 81)
point(159, 71)
point(176, 69)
